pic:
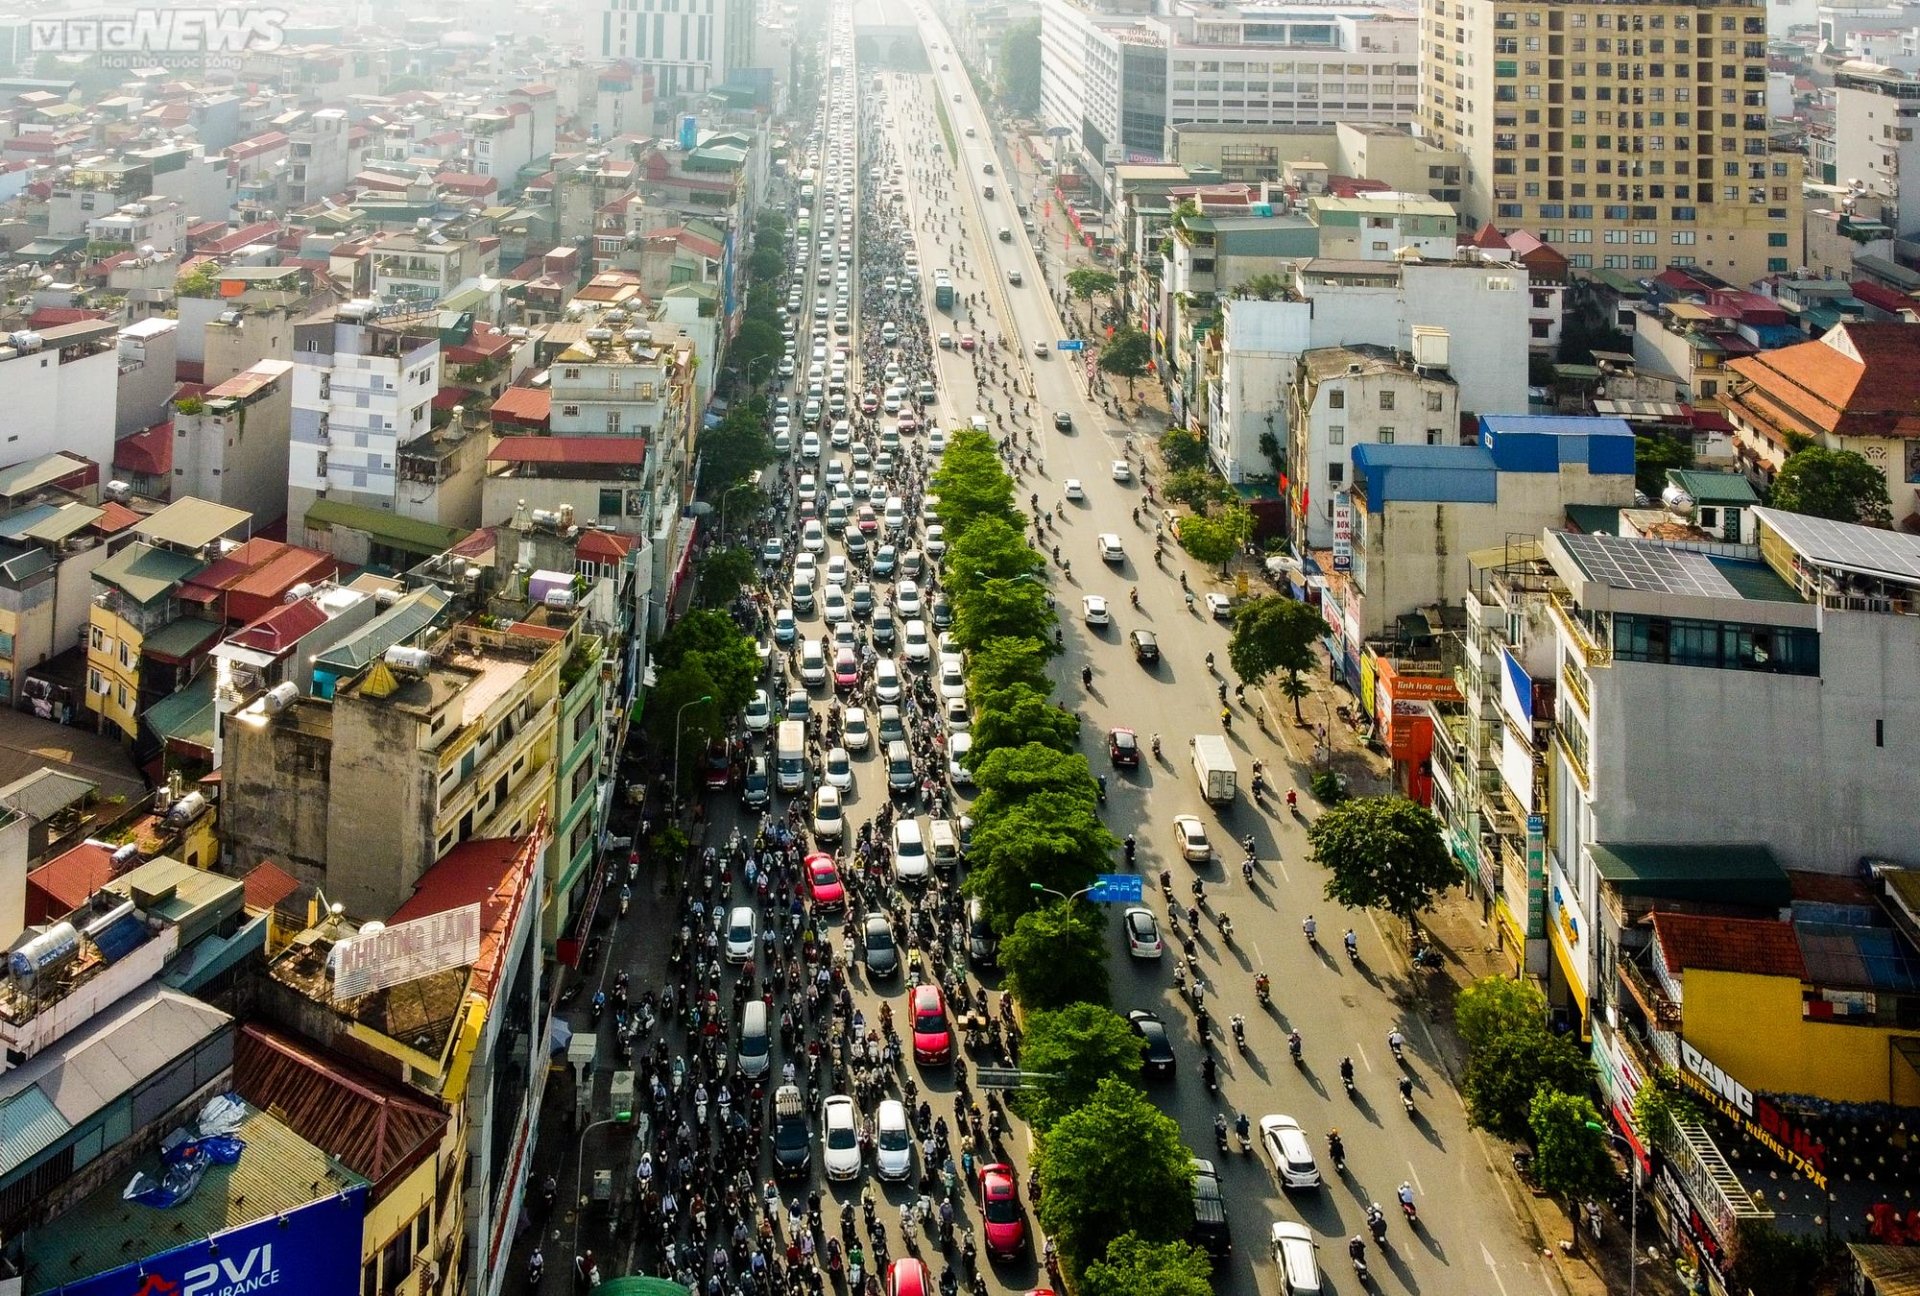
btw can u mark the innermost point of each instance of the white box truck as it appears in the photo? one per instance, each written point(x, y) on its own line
point(790, 769)
point(1213, 766)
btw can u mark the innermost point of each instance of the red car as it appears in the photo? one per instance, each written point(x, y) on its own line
point(823, 882)
point(908, 1277)
point(932, 1037)
point(846, 669)
point(1006, 1223)
point(719, 764)
point(1123, 748)
point(869, 521)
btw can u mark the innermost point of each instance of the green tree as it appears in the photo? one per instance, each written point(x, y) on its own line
point(712, 643)
point(1661, 1102)
point(1569, 1145)
point(1114, 1166)
point(992, 548)
point(1055, 956)
point(1502, 1076)
point(1771, 1262)
point(1020, 67)
point(1276, 634)
point(676, 718)
point(1088, 282)
point(1077, 1046)
point(1494, 1006)
point(724, 573)
point(767, 262)
point(756, 349)
point(1384, 852)
point(1182, 449)
point(1128, 355)
point(1000, 609)
point(1837, 484)
point(1653, 454)
point(1215, 540)
point(1053, 838)
point(971, 483)
point(1135, 1267)
point(1263, 287)
point(1017, 716)
point(1198, 488)
point(1001, 663)
point(1007, 776)
point(732, 449)
point(770, 226)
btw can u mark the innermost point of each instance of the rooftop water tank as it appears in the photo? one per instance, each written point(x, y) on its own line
point(51, 950)
point(418, 660)
point(280, 697)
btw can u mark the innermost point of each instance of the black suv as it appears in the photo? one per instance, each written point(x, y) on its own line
point(1063, 420)
point(1209, 1212)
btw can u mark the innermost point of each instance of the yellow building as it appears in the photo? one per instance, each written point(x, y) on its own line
point(1630, 137)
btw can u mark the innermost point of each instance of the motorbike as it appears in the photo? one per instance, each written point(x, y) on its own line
point(626, 900)
point(1263, 989)
point(1220, 1133)
point(1394, 1043)
point(1346, 1075)
point(1358, 1251)
point(1407, 1207)
point(1242, 1128)
point(1353, 949)
point(1377, 1225)
point(1246, 870)
point(536, 1269)
point(599, 1005)
point(1101, 780)
point(1226, 931)
point(1293, 802)
point(1337, 1151)
point(1210, 1073)
point(1293, 1047)
point(1239, 1033)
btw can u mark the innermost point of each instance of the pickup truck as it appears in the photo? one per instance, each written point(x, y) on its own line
point(1213, 767)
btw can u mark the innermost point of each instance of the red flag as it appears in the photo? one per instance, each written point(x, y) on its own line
point(1305, 491)
point(1285, 485)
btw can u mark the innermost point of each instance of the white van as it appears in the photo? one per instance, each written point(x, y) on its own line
point(755, 1043)
point(909, 850)
point(1293, 1256)
point(813, 662)
point(790, 748)
point(945, 844)
point(900, 773)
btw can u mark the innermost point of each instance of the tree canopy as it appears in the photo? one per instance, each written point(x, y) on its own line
point(732, 449)
point(1053, 838)
point(1215, 540)
point(1006, 776)
point(1183, 448)
point(1056, 956)
point(1271, 634)
point(991, 548)
point(1128, 355)
point(1114, 1166)
point(1569, 1144)
point(1136, 1267)
point(1842, 485)
point(1199, 488)
point(1016, 717)
point(1383, 852)
point(1002, 662)
point(724, 573)
point(1002, 609)
point(1654, 453)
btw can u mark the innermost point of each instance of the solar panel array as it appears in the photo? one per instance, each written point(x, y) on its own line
point(1642, 565)
point(1843, 544)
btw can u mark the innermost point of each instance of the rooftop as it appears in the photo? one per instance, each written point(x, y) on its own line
point(1705, 874)
point(1845, 547)
point(1860, 379)
point(1708, 943)
point(144, 573)
point(193, 524)
point(1599, 562)
point(279, 1171)
point(492, 872)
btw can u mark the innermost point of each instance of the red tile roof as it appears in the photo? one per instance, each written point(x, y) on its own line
point(63, 883)
point(493, 872)
point(279, 630)
point(1488, 237)
point(1861, 379)
point(149, 453)
point(608, 450)
point(524, 407)
point(267, 885)
point(53, 316)
point(1755, 946)
point(372, 1126)
point(1883, 297)
point(603, 546)
point(115, 518)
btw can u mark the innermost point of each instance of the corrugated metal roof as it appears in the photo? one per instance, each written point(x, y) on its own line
point(45, 793)
point(193, 523)
point(411, 614)
point(29, 1123)
point(1426, 474)
point(144, 573)
point(410, 534)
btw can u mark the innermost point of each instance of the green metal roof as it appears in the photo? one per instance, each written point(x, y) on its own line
point(187, 716)
point(1620, 283)
point(641, 1285)
point(1595, 519)
point(408, 616)
point(410, 534)
point(180, 638)
point(1714, 487)
point(29, 1123)
point(1732, 874)
point(144, 573)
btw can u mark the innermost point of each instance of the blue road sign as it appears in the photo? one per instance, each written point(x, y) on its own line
point(1115, 888)
point(1069, 344)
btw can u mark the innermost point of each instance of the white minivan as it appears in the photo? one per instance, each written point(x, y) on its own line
point(909, 850)
point(813, 662)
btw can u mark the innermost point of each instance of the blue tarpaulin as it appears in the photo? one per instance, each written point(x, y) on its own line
point(122, 938)
point(186, 1163)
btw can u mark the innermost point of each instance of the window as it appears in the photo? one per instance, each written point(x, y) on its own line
point(1384, 435)
point(1336, 473)
point(1337, 398)
point(1336, 434)
point(1436, 401)
point(1386, 400)
point(1777, 240)
point(1540, 328)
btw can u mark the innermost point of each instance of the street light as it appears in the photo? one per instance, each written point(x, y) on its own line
point(1035, 886)
point(677, 717)
point(579, 1171)
point(753, 480)
point(1633, 1203)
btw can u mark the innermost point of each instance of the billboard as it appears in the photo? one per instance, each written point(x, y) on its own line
point(1342, 532)
point(312, 1250)
point(405, 952)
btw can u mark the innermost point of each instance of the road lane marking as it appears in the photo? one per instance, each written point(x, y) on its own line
point(1361, 1049)
point(1493, 1267)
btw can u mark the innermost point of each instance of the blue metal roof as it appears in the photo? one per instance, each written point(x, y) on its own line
point(121, 938)
point(1425, 474)
point(1540, 443)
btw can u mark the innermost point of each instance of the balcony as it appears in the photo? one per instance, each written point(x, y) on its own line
point(1662, 1012)
point(1596, 653)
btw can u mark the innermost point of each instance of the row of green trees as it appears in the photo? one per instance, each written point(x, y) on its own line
point(1116, 1180)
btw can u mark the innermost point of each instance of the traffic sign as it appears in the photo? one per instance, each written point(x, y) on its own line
point(1115, 888)
point(1069, 344)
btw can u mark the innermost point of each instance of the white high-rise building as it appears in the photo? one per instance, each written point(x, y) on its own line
point(362, 388)
point(690, 46)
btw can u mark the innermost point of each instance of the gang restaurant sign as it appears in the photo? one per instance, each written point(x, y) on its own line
point(1760, 1118)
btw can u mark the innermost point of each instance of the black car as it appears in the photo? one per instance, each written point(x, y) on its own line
point(1209, 1229)
point(792, 1144)
point(1063, 421)
point(883, 956)
point(941, 612)
point(1156, 1060)
point(1146, 648)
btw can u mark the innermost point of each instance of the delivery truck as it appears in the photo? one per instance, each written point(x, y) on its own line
point(1213, 767)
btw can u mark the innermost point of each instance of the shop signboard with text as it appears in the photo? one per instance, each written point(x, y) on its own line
point(313, 1250)
point(1758, 1117)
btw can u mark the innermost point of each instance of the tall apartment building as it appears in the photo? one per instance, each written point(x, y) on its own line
point(1117, 80)
point(60, 386)
point(688, 48)
point(363, 386)
point(1631, 136)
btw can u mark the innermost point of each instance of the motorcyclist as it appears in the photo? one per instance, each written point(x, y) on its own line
point(1406, 1195)
point(1243, 1127)
point(1352, 943)
point(1346, 1070)
point(1310, 927)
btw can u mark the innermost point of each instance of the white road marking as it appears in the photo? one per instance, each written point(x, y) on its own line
point(1493, 1268)
point(1413, 1177)
point(1361, 1049)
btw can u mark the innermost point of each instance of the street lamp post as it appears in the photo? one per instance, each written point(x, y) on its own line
point(1047, 890)
point(579, 1172)
point(752, 480)
point(677, 717)
point(1633, 1204)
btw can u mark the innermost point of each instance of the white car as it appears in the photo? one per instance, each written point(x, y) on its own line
point(1095, 608)
point(1219, 607)
point(958, 719)
point(839, 771)
point(759, 713)
point(829, 820)
point(936, 541)
point(906, 597)
point(837, 570)
point(1122, 470)
point(833, 605)
point(917, 647)
point(1288, 1149)
point(886, 680)
point(813, 536)
point(937, 440)
point(1143, 933)
point(740, 934)
point(892, 1144)
point(1040, 349)
point(810, 441)
point(957, 748)
point(840, 1138)
point(1074, 491)
point(854, 729)
point(785, 629)
point(953, 677)
point(1111, 550)
point(1193, 838)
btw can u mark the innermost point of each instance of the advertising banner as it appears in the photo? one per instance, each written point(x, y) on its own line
point(313, 1250)
point(1342, 532)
